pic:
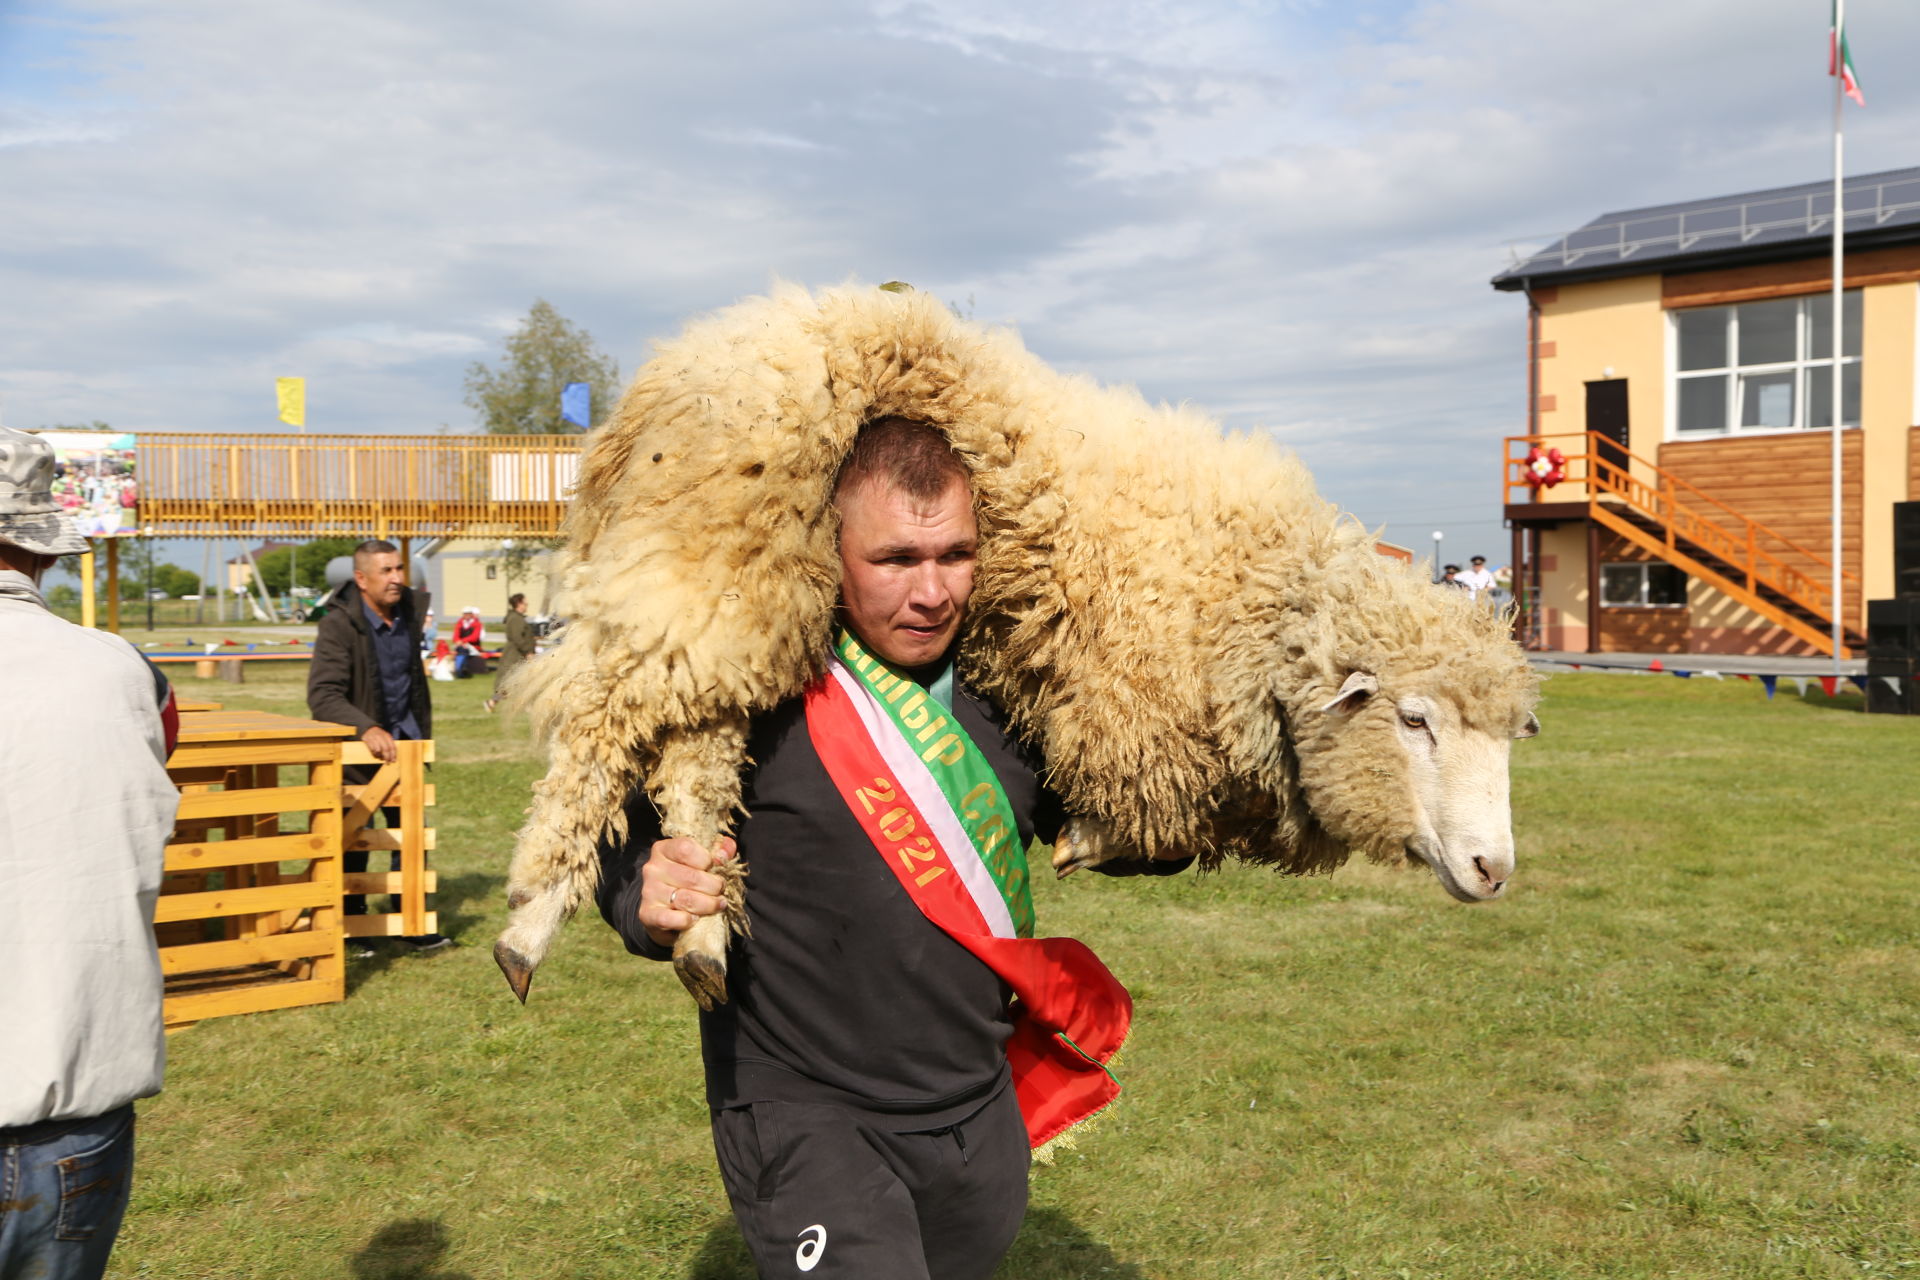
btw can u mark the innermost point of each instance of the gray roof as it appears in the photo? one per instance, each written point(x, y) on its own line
point(1760, 226)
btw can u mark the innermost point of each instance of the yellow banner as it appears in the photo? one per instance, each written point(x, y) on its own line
point(292, 393)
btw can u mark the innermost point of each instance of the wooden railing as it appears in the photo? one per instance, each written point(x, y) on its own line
point(1759, 558)
point(403, 787)
point(383, 486)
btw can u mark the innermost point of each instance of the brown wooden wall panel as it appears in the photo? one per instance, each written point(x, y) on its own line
point(1643, 630)
point(1782, 279)
point(1784, 482)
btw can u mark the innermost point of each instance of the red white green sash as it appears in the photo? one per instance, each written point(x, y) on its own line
point(929, 801)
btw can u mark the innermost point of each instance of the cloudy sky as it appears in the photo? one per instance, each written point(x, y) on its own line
point(1284, 211)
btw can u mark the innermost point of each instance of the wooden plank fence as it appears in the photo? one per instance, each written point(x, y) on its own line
point(250, 915)
point(401, 786)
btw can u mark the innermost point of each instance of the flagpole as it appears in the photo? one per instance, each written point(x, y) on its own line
point(1839, 312)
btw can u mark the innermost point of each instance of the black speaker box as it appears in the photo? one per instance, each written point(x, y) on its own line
point(1904, 701)
point(1893, 627)
point(1906, 548)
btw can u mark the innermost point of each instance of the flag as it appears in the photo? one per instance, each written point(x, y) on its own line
point(1799, 685)
point(1840, 58)
point(292, 394)
point(1892, 683)
point(1860, 681)
point(1656, 665)
point(575, 400)
point(1770, 682)
point(1829, 684)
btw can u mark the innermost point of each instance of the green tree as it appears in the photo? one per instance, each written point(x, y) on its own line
point(521, 395)
point(277, 566)
point(175, 581)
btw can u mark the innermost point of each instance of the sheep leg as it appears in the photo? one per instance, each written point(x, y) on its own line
point(556, 864)
point(696, 788)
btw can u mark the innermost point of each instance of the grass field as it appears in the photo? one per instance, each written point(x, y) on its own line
point(1688, 1044)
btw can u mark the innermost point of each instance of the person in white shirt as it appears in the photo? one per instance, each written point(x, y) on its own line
point(1476, 579)
point(85, 810)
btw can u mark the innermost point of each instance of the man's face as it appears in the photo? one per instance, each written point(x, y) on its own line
point(381, 578)
point(906, 569)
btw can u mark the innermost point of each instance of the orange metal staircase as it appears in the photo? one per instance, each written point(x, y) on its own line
point(1674, 521)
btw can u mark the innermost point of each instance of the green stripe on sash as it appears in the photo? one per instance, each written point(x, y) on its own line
point(962, 773)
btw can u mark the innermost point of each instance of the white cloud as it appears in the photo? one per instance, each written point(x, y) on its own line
point(1284, 212)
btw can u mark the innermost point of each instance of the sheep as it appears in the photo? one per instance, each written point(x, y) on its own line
point(1210, 658)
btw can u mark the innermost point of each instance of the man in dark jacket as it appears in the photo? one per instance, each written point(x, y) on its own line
point(366, 673)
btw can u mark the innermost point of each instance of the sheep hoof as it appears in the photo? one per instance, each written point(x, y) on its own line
point(704, 977)
point(514, 965)
point(1077, 846)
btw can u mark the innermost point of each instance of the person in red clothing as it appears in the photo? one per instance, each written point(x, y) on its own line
point(468, 633)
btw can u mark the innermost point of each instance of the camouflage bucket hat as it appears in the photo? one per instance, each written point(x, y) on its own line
point(30, 516)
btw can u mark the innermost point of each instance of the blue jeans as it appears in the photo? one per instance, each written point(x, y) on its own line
point(63, 1191)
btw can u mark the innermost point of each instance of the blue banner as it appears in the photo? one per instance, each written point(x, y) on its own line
point(575, 401)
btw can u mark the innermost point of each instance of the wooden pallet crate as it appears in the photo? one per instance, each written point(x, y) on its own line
point(239, 929)
point(402, 786)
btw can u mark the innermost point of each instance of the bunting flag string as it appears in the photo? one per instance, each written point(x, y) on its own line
point(1831, 686)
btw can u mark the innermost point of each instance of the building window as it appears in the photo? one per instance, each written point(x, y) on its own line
point(1763, 366)
point(1642, 585)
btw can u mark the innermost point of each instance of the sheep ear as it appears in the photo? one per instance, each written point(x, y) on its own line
point(1354, 693)
point(1531, 729)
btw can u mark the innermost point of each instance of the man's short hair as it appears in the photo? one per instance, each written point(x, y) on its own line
point(370, 548)
point(1479, 560)
point(514, 600)
point(901, 453)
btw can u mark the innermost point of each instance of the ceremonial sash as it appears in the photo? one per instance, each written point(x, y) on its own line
point(927, 798)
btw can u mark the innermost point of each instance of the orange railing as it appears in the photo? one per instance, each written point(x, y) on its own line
point(389, 486)
point(1597, 468)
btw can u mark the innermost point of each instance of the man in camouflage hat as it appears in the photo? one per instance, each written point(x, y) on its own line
point(85, 808)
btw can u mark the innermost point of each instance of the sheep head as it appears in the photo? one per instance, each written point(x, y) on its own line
point(1405, 769)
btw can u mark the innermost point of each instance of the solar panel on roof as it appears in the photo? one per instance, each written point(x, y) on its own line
point(1881, 208)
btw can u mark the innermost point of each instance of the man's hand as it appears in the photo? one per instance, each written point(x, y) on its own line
point(380, 742)
point(676, 886)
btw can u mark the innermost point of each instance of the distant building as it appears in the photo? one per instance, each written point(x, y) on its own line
point(1680, 360)
point(479, 572)
point(240, 569)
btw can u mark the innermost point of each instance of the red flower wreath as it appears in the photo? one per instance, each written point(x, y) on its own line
point(1545, 468)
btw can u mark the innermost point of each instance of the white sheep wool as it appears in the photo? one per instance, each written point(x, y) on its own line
point(1162, 608)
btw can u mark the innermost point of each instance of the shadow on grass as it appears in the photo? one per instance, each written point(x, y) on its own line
point(456, 891)
point(405, 1249)
point(1051, 1246)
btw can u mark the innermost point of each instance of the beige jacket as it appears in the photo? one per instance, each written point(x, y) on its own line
point(85, 810)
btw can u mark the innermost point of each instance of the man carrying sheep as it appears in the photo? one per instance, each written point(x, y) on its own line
point(875, 1089)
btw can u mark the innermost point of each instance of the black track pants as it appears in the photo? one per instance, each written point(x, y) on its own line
point(820, 1193)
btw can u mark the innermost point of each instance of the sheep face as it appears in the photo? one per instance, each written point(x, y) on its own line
point(1405, 772)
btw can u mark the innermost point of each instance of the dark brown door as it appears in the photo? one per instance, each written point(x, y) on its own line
point(1607, 415)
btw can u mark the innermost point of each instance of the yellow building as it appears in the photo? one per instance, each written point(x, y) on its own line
point(480, 572)
point(1679, 366)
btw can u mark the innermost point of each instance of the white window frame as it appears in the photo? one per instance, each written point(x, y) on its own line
point(1644, 602)
point(1800, 367)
